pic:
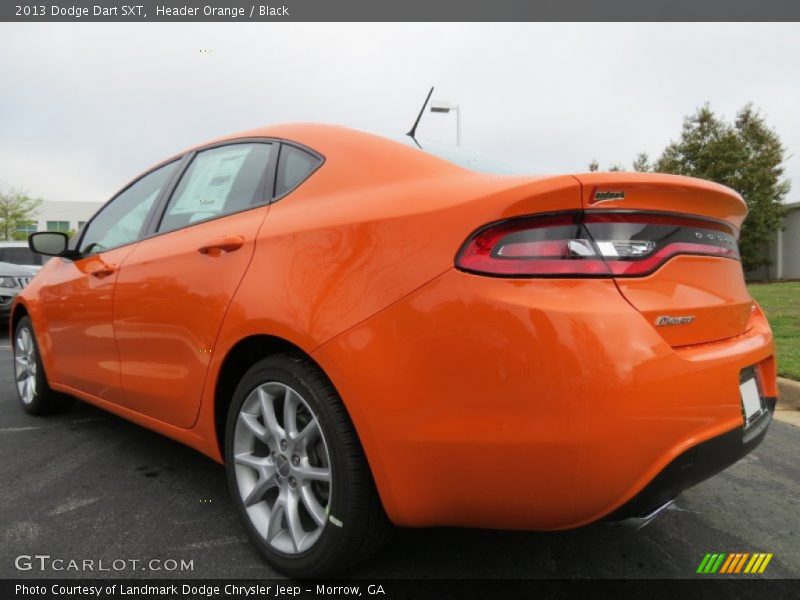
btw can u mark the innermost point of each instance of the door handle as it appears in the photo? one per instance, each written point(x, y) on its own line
point(219, 245)
point(102, 270)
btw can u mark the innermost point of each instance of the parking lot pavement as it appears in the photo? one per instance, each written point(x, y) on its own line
point(88, 485)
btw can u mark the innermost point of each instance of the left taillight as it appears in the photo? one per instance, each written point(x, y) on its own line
point(592, 244)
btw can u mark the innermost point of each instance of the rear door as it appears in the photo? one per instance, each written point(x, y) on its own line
point(175, 287)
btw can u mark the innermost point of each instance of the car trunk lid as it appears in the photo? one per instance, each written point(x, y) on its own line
point(695, 292)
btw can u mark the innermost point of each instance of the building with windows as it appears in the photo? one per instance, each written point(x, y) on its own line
point(784, 251)
point(53, 215)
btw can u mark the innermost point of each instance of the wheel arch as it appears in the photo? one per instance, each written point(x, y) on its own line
point(239, 358)
point(19, 311)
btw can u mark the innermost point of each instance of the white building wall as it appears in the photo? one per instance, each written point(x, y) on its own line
point(74, 213)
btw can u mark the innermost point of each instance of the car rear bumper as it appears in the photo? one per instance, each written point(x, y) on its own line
point(695, 465)
point(532, 404)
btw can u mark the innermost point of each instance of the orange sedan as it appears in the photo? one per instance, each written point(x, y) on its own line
point(369, 331)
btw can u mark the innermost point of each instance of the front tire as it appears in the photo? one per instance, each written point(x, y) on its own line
point(297, 473)
point(35, 395)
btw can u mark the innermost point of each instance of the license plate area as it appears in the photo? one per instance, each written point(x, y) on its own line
point(753, 404)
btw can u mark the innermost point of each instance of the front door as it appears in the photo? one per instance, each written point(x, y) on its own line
point(176, 286)
point(78, 296)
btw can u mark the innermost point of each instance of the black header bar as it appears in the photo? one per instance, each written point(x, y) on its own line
point(401, 10)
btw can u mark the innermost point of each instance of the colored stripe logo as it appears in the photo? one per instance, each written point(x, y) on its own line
point(736, 562)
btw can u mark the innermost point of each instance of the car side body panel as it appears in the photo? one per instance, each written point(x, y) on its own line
point(166, 326)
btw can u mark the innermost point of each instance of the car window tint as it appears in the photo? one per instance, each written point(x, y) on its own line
point(294, 166)
point(219, 181)
point(121, 221)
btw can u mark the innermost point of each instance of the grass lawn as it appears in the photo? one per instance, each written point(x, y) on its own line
point(781, 302)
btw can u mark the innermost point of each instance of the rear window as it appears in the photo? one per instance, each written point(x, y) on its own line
point(466, 158)
point(20, 256)
point(294, 165)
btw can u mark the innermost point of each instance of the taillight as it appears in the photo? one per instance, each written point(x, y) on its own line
point(592, 244)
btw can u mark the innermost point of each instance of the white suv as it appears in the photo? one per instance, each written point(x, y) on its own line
point(12, 279)
point(18, 265)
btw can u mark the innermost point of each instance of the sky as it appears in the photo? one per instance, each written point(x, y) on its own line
point(85, 107)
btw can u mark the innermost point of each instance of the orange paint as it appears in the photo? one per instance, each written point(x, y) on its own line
point(480, 401)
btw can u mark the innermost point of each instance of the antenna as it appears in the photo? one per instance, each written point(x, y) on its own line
point(412, 132)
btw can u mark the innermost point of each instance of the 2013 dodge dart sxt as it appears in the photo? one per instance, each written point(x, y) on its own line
point(370, 331)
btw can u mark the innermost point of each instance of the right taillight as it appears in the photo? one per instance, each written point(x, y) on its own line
point(592, 244)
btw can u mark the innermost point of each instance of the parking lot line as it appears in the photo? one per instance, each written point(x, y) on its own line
point(16, 429)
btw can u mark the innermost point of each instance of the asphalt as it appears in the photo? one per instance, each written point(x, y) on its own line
point(88, 485)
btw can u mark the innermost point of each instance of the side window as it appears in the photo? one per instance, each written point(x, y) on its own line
point(294, 166)
point(219, 181)
point(120, 222)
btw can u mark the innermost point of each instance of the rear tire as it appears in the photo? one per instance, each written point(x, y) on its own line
point(304, 461)
point(33, 391)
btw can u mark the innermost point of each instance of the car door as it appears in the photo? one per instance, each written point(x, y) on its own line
point(176, 285)
point(78, 295)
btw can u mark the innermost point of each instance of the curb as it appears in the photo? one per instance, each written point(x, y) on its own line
point(788, 394)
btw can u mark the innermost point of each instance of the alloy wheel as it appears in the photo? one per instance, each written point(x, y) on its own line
point(25, 365)
point(282, 468)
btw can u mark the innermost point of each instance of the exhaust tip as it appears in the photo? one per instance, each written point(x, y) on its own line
point(637, 523)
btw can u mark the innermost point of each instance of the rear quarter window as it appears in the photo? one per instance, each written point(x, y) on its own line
point(294, 166)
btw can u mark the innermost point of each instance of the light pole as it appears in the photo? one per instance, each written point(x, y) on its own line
point(440, 106)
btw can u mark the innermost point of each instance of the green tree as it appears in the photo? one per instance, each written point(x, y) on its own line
point(594, 166)
point(746, 155)
point(16, 209)
point(642, 163)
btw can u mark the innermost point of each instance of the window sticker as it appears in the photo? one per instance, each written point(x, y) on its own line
point(210, 181)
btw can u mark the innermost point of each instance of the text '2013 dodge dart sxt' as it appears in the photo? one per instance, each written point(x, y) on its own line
point(367, 331)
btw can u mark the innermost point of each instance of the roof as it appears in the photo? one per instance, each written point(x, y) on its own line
point(379, 158)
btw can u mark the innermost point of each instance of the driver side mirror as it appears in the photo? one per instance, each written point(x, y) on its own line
point(49, 243)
